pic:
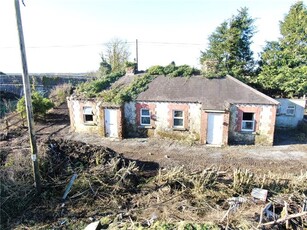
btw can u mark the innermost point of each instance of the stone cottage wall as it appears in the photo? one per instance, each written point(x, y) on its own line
point(263, 134)
point(162, 120)
point(77, 123)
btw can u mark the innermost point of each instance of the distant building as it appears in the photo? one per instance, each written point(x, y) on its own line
point(290, 112)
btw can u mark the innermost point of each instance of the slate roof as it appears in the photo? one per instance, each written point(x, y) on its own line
point(214, 94)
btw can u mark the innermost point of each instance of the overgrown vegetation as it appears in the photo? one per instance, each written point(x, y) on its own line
point(172, 70)
point(59, 93)
point(40, 105)
point(126, 194)
point(91, 89)
point(129, 92)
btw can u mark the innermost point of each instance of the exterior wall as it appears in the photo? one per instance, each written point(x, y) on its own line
point(78, 124)
point(290, 121)
point(264, 116)
point(161, 122)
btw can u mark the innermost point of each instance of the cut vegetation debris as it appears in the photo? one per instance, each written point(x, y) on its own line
point(128, 194)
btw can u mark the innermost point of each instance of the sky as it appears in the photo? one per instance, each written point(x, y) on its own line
point(68, 36)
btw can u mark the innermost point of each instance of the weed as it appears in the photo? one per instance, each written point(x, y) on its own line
point(59, 94)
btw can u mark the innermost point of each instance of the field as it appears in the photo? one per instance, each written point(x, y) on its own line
point(148, 183)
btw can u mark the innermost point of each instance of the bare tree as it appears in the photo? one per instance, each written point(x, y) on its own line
point(116, 54)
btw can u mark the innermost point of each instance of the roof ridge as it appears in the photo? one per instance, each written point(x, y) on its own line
point(252, 89)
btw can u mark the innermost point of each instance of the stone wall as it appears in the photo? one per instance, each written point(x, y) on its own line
point(42, 82)
point(264, 127)
point(161, 119)
point(97, 126)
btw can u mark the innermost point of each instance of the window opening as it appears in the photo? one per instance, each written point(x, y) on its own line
point(145, 117)
point(178, 118)
point(88, 114)
point(290, 110)
point(248, 122)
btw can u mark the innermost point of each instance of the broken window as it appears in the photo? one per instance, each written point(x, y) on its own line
point(145, 117)
point(248, 122)
point(178, 118)
point(88, 114)
point(290, 110)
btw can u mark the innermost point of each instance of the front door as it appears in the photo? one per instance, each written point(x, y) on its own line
point(111, 122)
point(215, 128)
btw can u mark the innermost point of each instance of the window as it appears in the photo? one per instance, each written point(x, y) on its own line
point(178, 118)
point(88, 114)
point(290, 110)
point(145, 117)
point(248, 122)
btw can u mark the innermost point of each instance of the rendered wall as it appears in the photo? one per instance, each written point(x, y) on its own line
point(78, 124)
point(162, 119)
point(263, 133)
point(290, 121)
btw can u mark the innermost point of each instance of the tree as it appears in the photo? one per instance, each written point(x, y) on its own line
point(116, 55)
point(229, 48)
point(105, 68)
point(283, 69)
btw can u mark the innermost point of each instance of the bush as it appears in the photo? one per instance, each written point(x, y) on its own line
point(40, 105)
point(156, 70)
point(173, 70)
point(59, 94)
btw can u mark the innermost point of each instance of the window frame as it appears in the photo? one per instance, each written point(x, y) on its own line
point(145, 116)
point(87, 114)
point(291, 108)
point(178, 118)
point(248, 121)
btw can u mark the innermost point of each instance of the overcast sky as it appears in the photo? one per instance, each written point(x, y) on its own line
point(68, 35)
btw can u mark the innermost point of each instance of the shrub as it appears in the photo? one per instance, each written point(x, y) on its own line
point(59, 94)
point(156, 70)
point(40, 105)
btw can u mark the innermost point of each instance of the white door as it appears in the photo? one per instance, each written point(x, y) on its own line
point(215, 128)
point(110, 119)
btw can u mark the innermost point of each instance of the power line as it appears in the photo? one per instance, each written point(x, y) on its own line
point(105, 43)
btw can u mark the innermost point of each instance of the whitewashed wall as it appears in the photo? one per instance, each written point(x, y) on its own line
point(287, 121)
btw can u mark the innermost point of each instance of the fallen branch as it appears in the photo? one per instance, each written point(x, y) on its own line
point(281, 220)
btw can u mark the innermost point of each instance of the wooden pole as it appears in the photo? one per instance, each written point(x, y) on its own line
point(137, 55)
point(27, 93)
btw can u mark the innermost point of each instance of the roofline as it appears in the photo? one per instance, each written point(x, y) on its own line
point(252, 89)
point(173, 101)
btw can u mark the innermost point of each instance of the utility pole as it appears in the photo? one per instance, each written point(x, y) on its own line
point(27, 93)
point(137, 54)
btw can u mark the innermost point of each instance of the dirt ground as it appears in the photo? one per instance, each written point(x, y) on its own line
point(88, 201)
point(168, 153)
